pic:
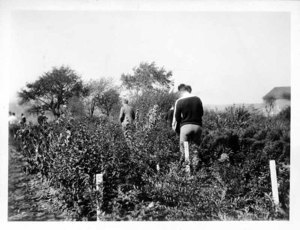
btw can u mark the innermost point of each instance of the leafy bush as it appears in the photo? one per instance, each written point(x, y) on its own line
point(230, 177)
point(285, 114)
point(161, 98)
point(70, 153)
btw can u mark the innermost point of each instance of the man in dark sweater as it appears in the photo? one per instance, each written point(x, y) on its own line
point(188, 112)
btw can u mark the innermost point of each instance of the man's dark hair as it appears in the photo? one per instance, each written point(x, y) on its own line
point(188, 88)
point(181, 87)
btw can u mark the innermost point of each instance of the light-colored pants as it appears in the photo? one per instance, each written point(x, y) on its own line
point(190, 133)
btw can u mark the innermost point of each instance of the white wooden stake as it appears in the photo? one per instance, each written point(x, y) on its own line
point(187, 156)
point(157, 167)
point(99, 181)
point(274, 182)
point(186, 151)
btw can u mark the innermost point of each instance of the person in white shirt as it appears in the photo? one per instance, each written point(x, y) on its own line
point(12, 119)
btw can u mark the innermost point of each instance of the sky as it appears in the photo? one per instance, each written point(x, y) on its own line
point(227, 57)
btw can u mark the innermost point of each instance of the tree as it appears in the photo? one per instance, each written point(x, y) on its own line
point(164, 100)
point(149, 85)
point(147, 77)
point(76, 107)
point(51, 90)
point(107, 100)
point(95, 89)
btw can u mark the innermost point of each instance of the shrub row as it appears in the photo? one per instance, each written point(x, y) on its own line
point(69, 153)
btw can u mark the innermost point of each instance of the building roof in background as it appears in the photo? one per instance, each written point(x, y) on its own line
point(279, 93)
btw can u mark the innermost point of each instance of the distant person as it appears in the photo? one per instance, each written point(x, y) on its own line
point(42, 118)
point(23, 119)
point(188, 88)
point(12, 125)
point(187, 120)
point(9, 117)
point(12, 119)
point(127, 114)
point(169, 117)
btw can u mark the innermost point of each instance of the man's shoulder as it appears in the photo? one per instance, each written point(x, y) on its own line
point(188, 98)
point(179, 99)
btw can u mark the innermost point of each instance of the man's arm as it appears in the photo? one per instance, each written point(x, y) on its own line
point(176, 117)
point(178, 113)
point(174, 120)
point(201, 107)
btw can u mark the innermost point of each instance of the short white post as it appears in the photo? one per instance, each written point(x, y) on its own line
point(274, 182)
point(99, 181)
point(157, 167)
point(187, 156)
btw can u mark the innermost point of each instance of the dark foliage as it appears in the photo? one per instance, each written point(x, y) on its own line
point(52, 90)
point(147, 77)
point(230, 179)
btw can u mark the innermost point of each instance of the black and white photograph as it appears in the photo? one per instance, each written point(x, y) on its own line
point(149, 111)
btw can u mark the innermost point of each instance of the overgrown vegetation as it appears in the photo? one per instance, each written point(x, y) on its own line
point(143, 176)
point(69, 153)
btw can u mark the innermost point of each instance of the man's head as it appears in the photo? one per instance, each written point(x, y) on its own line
point(182, 89)
point(125, 101)
point(188, 88)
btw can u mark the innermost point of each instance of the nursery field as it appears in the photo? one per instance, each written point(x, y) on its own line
point(53, 167)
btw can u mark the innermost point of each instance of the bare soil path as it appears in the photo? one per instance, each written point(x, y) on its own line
point(26, 199)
